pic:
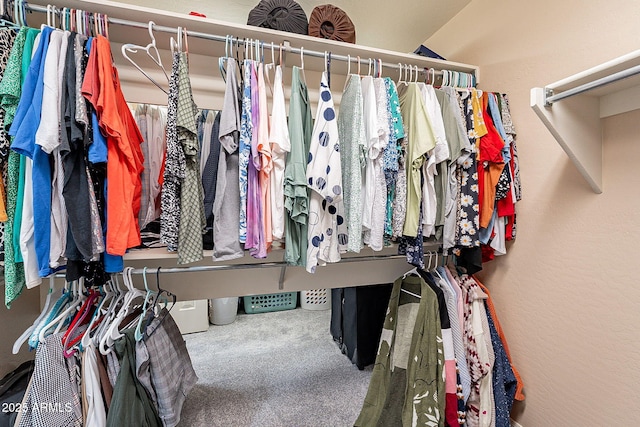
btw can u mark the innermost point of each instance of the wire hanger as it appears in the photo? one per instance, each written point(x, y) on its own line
point(152, 51)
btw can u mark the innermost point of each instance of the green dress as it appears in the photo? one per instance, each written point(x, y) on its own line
point(10, 91)
point(296, 193)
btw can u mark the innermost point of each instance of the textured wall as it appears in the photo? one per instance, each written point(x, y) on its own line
point(565, 291)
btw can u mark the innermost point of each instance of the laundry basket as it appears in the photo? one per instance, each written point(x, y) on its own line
point(319, 299)
point(271, 302)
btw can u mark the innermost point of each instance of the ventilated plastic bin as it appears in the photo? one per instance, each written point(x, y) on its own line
point(270, 302)
point(319, 299)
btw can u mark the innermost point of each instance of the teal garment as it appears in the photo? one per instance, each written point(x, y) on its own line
point(10, 91)
point(296, 192)
point(407, 386)
point(352, 155)
point(17, 219)
point(130, 403)
point(29, 45)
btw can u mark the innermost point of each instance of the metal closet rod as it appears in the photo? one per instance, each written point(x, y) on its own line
point(224, 39)
point(592, 85)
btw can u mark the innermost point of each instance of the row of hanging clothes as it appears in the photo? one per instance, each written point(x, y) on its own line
point(67, 136)
point(107, 355)
point(443, 359)
point(399, 162)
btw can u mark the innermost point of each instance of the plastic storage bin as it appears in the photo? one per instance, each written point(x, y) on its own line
point(319, 299)
point(270, 302)
point(222, 311)
point(191, 316)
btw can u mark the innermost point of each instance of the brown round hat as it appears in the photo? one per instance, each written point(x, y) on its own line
point(330, 22)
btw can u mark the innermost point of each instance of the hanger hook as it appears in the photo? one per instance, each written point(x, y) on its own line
point(302, 57)
point(348, 64)
point(369, 67)
point(144, 278)
point(379, 67)
point(273, 55)
point(325, 61)
point(358, 65)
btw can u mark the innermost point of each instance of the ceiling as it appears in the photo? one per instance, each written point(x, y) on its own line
point(401, 28)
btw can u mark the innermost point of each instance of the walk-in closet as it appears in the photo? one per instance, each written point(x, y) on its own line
point(286, 213)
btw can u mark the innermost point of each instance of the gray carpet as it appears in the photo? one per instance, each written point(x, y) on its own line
point(279, 369)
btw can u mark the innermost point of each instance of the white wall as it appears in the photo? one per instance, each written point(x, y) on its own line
point(565, 293)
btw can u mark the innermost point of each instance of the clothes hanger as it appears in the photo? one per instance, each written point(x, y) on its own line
point(105, 24)
point(152, 52)
point(113, 331)
point(98, 316)
point(145, 306)
point(112, 310)
point(358, 65)
point(304, 78)
point(184, 41)
point(223, 59)
point(410, 293)
point(370, 61)
point(155, 302)
point(27, 333)
point(88, 307)
point(268, 67)
point(59, 321)
point(61, 303)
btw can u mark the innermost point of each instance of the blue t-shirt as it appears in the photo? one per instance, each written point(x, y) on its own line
point(97, 152)
point(24, 131)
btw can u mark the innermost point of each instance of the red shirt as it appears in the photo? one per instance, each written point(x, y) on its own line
point(101, 86)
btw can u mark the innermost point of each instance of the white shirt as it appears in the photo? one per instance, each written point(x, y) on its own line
point(370, 120)
point(27, 237)
point(375, 236)
point(48, 137)
point(326, 231)
point(280, 146)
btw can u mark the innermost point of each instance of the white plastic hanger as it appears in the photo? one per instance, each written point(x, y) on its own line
point(27, 333)
point(152, 51)
point(112, 310)
point(109, 296)
point(60, 320)
point(113, 332)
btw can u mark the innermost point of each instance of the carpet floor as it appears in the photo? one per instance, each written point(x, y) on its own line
point(279, 369)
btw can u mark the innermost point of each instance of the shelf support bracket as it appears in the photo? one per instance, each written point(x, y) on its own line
point(575, 124)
